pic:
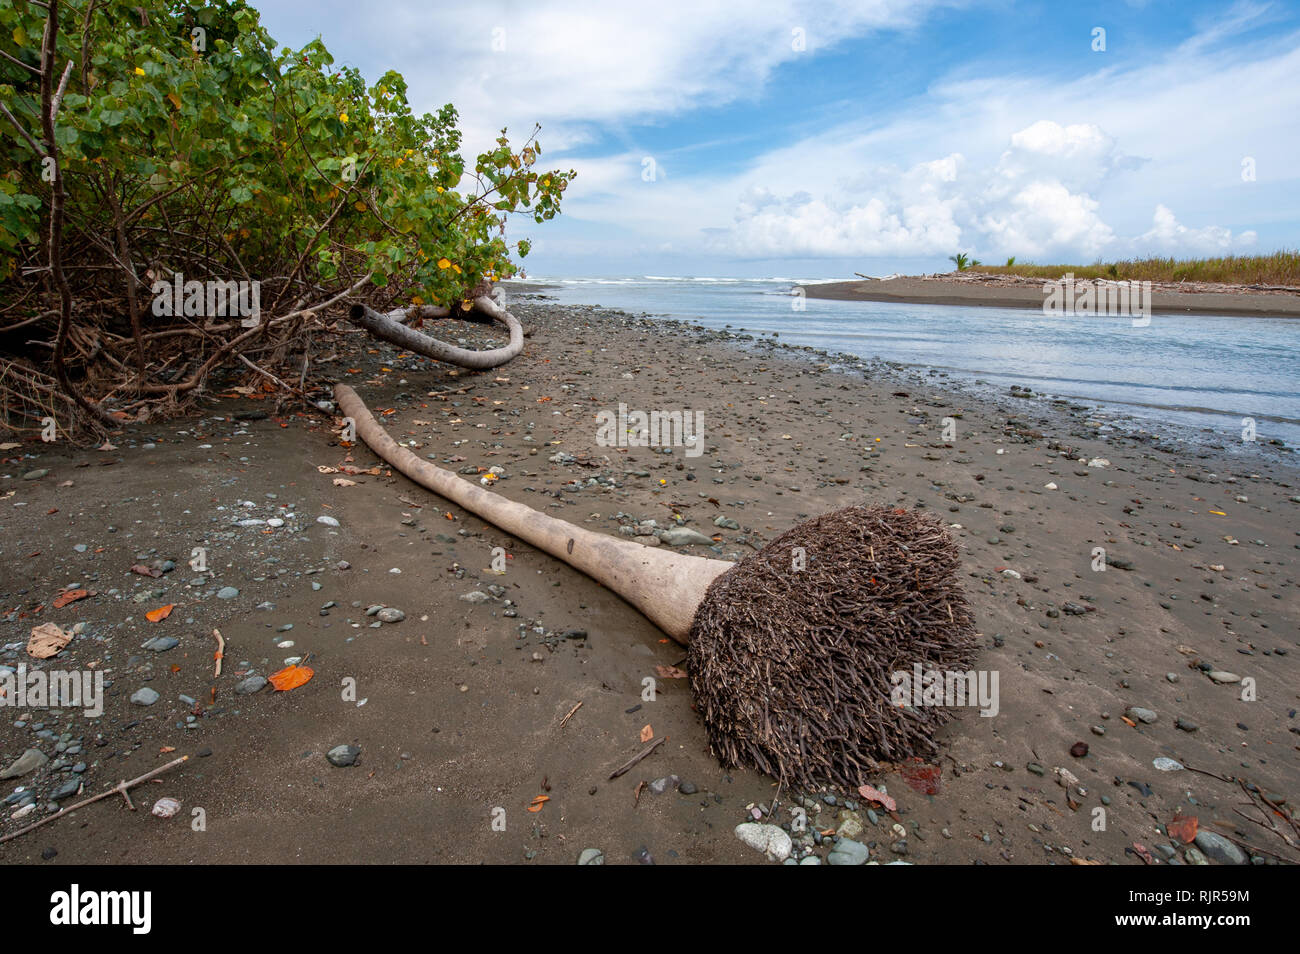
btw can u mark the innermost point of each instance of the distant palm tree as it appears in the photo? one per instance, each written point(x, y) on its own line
point(960, 260)
point(1011, 261)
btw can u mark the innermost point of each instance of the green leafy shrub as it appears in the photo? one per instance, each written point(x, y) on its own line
point(190, 142)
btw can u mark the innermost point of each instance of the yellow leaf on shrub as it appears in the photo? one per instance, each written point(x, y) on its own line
point(176, 100)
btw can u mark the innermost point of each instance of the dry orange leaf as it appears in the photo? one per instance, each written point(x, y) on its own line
point(1183, 828)
point(647, 733)
point(670, 672)
point(291, 677)
point(160, 613)
point(872, 794)
point(538, 802)
point(69, 596)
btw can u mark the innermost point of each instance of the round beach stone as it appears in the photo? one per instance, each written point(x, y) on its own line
point(342, 756)
point(848, 852)
point(250, 685)
point(769, 839)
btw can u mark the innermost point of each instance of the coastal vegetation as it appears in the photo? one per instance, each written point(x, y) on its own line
point(178, 146)
point(1278, 268)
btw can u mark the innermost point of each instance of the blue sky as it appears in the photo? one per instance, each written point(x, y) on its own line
point(809, 140)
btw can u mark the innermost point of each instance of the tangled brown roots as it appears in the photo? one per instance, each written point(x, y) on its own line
point(790, 668)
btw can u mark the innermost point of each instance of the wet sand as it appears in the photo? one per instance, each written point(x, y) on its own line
point(463, 700)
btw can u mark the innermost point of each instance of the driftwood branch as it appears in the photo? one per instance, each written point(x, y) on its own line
point(220, 653)
point(120, 788)
point(389, 327)
point(639, 756)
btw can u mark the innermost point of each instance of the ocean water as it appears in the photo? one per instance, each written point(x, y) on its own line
point(1182, 375)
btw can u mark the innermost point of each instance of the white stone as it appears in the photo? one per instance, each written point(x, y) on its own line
point(769, 839)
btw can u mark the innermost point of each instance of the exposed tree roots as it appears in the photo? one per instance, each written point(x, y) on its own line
point(791, 669)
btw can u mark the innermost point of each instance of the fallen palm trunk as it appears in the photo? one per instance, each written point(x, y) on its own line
point(792, 651)
point(664, 586)
point(390, 328)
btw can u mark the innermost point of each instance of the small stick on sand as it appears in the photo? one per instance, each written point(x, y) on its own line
point(565, 720)
point(221, 650)
point(119, 789)
point(639, 756)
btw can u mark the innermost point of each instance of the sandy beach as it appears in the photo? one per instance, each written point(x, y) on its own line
point(999, 291)
point(457, 707)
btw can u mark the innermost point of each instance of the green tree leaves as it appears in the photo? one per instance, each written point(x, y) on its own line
point(268, 154)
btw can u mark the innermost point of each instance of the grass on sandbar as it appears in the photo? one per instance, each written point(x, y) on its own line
point(1280, 268)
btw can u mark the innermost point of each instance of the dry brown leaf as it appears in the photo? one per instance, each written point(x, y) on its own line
point(46, 641)
point(69, 596)
point(670, 672)
point(647, 733)
point(875, 795)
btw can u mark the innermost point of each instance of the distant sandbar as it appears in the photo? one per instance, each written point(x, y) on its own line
point(1002, 291)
